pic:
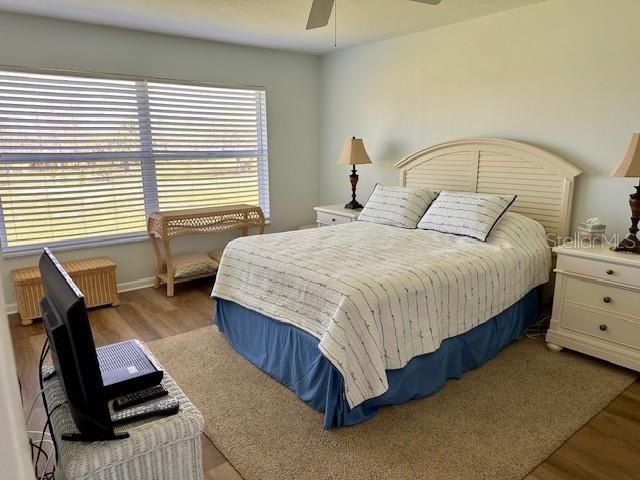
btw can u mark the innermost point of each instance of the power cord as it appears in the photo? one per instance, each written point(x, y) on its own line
point(53, 445)
point(47, 426)
point(35, 400)
point(539, 327)
point(40, 450)
point(20, 387)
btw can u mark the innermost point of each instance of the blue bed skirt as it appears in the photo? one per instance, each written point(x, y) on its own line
point(291, 356)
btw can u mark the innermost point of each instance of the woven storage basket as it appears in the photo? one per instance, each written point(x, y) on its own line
point(95, 277)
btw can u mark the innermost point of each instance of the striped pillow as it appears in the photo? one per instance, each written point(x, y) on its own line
point(464, 213)
point(396, 206)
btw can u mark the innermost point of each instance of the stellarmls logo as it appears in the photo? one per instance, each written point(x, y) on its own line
point(576, 240)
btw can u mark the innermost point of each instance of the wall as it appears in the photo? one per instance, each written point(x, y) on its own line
point(562, 75)
point(14, 449)
point(291, 81)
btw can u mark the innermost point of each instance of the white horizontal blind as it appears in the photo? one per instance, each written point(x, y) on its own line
point(83, 158)
point(208, 146)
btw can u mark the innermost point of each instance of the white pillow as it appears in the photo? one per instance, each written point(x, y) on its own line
point(396, 206)
point(465, 213)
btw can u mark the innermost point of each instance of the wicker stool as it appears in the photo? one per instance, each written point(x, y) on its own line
point(166, 448)
point(95, 277)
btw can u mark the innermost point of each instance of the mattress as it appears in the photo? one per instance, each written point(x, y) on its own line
point(376, 296)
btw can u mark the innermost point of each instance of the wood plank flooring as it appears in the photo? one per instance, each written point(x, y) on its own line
point(607, 448)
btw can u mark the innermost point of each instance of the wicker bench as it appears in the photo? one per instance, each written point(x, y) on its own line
point(158, 448)
point(95, 277)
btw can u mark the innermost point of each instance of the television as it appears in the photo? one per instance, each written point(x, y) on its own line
point(74, 353)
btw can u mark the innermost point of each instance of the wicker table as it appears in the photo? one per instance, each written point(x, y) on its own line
point(164, 226)
point(157, 449)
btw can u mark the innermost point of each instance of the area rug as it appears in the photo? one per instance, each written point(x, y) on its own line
point(497, 422)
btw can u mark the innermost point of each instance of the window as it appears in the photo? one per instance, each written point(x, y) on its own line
point(84, 159)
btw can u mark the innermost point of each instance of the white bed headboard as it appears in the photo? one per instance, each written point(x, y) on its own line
point(542, 180)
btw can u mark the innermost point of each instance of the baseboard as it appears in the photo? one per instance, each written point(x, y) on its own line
point(136, 284)
point(11, 308)
point(122, 287)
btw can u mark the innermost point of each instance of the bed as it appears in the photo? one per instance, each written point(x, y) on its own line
point(357, 316)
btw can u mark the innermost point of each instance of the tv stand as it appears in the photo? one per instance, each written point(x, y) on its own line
point(166, 448)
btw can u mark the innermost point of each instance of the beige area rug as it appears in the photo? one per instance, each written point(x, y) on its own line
point(497, 422)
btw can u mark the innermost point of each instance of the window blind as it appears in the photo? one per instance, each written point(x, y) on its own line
point(84, 159)
point(210, 145)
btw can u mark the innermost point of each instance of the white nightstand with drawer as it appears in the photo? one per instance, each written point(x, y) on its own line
point(596, 305)
point(335, 215)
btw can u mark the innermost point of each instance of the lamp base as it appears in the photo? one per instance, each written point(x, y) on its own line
point(353, 205)
point(631, 243)
point(353, 179)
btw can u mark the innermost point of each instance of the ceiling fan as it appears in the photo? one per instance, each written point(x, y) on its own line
point(321, 12)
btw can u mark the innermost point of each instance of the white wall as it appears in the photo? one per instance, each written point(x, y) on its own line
point(291, 81)
point(563, 75)
point(14, 447)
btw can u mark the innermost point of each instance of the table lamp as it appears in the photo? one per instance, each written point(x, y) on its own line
point(630, 167)
point(353, 153)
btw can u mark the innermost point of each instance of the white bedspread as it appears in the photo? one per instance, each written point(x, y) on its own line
point(376, 296)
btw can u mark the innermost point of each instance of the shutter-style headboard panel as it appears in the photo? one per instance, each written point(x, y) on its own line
point(542, 180)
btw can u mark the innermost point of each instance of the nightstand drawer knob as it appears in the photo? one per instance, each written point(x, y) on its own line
point(609, 272)
point(603, 327)
point(607, 299)
point(333, 219)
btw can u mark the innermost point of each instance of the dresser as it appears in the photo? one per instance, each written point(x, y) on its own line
point(335, 215)
point(596, 306)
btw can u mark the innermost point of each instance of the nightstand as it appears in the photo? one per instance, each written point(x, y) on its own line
point(335, 215)
point(596, 305)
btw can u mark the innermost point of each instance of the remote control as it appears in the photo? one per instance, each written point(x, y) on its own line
point(136, 398)
point(163, 408)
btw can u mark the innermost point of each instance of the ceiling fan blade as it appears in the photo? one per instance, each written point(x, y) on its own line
point(319, 14)
point(430, 2)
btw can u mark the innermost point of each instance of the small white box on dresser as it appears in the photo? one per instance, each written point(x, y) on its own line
point(335, 215)
point(596, 306)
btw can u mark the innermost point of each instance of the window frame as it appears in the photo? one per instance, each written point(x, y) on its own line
point(145, 157)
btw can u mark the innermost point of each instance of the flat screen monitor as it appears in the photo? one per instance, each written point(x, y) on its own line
point(74, 353)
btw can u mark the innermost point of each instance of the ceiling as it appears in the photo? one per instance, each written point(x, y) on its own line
point(266, 23)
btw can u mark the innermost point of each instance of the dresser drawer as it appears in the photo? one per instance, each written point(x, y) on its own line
point(329, 219)
point(599, 295)
point(598, 269)
point(604, 327)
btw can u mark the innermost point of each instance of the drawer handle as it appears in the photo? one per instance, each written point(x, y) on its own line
point(603, 327)
point(607, 299)
point(333, 219)
point(609, 272)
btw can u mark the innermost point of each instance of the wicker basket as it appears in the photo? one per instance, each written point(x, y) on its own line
point(95, 277)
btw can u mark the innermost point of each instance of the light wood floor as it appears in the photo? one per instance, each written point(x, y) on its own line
point(607, 448)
